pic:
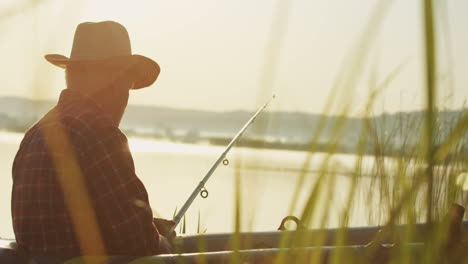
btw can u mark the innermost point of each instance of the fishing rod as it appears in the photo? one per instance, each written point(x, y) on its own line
point(221, 158)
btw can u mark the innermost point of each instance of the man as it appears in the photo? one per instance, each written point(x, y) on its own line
point(75, 191)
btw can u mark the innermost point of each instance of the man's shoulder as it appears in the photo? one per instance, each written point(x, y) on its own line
point(93, 129)
point(76, 125)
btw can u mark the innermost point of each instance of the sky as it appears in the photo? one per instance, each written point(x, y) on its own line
point(219, 55)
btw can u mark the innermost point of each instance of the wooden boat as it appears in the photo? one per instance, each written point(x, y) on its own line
point(260, 247)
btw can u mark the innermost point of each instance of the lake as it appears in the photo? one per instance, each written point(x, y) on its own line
point(170, 172)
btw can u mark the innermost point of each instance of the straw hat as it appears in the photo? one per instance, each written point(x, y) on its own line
point(107, 43)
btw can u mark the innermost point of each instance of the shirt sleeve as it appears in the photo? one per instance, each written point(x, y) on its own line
point(120, 199)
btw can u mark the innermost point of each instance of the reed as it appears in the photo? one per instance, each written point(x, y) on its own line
point(411, 184)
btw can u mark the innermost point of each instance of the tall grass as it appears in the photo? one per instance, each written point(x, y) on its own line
point(418, 185)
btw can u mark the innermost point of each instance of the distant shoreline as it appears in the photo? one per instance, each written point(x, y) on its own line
point(259, 143)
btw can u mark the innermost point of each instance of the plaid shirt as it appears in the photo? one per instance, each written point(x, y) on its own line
point(75, 191)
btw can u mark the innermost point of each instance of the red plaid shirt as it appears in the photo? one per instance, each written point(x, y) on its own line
point(99, 157)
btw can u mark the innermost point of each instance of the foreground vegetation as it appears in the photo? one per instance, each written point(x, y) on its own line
point(421, 186)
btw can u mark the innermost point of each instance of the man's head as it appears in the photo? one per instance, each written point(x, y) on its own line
point(107, 85)
point(102, 65)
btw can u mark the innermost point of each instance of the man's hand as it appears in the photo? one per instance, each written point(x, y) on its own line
point(164, 246)
point(164, 227)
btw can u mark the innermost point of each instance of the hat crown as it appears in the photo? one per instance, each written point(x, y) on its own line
point(100, 41)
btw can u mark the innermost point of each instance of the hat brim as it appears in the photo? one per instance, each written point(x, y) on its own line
point(144, 70)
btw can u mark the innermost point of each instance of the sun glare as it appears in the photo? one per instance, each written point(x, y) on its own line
point(143, 145)
point(462, 180)
point(10, 137)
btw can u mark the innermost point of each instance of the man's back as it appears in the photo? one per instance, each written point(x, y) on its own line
point(74, 183)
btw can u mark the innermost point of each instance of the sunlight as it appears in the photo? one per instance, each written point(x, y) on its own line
point(462, 180)
point(144, 145)
point(365, 145)
point(10, 137)
point(7, 3)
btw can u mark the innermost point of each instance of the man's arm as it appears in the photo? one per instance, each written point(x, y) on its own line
point(119, 197)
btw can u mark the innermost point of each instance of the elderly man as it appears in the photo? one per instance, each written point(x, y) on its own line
point(75, 191)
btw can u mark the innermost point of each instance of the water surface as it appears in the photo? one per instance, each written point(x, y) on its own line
point(171, 171)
